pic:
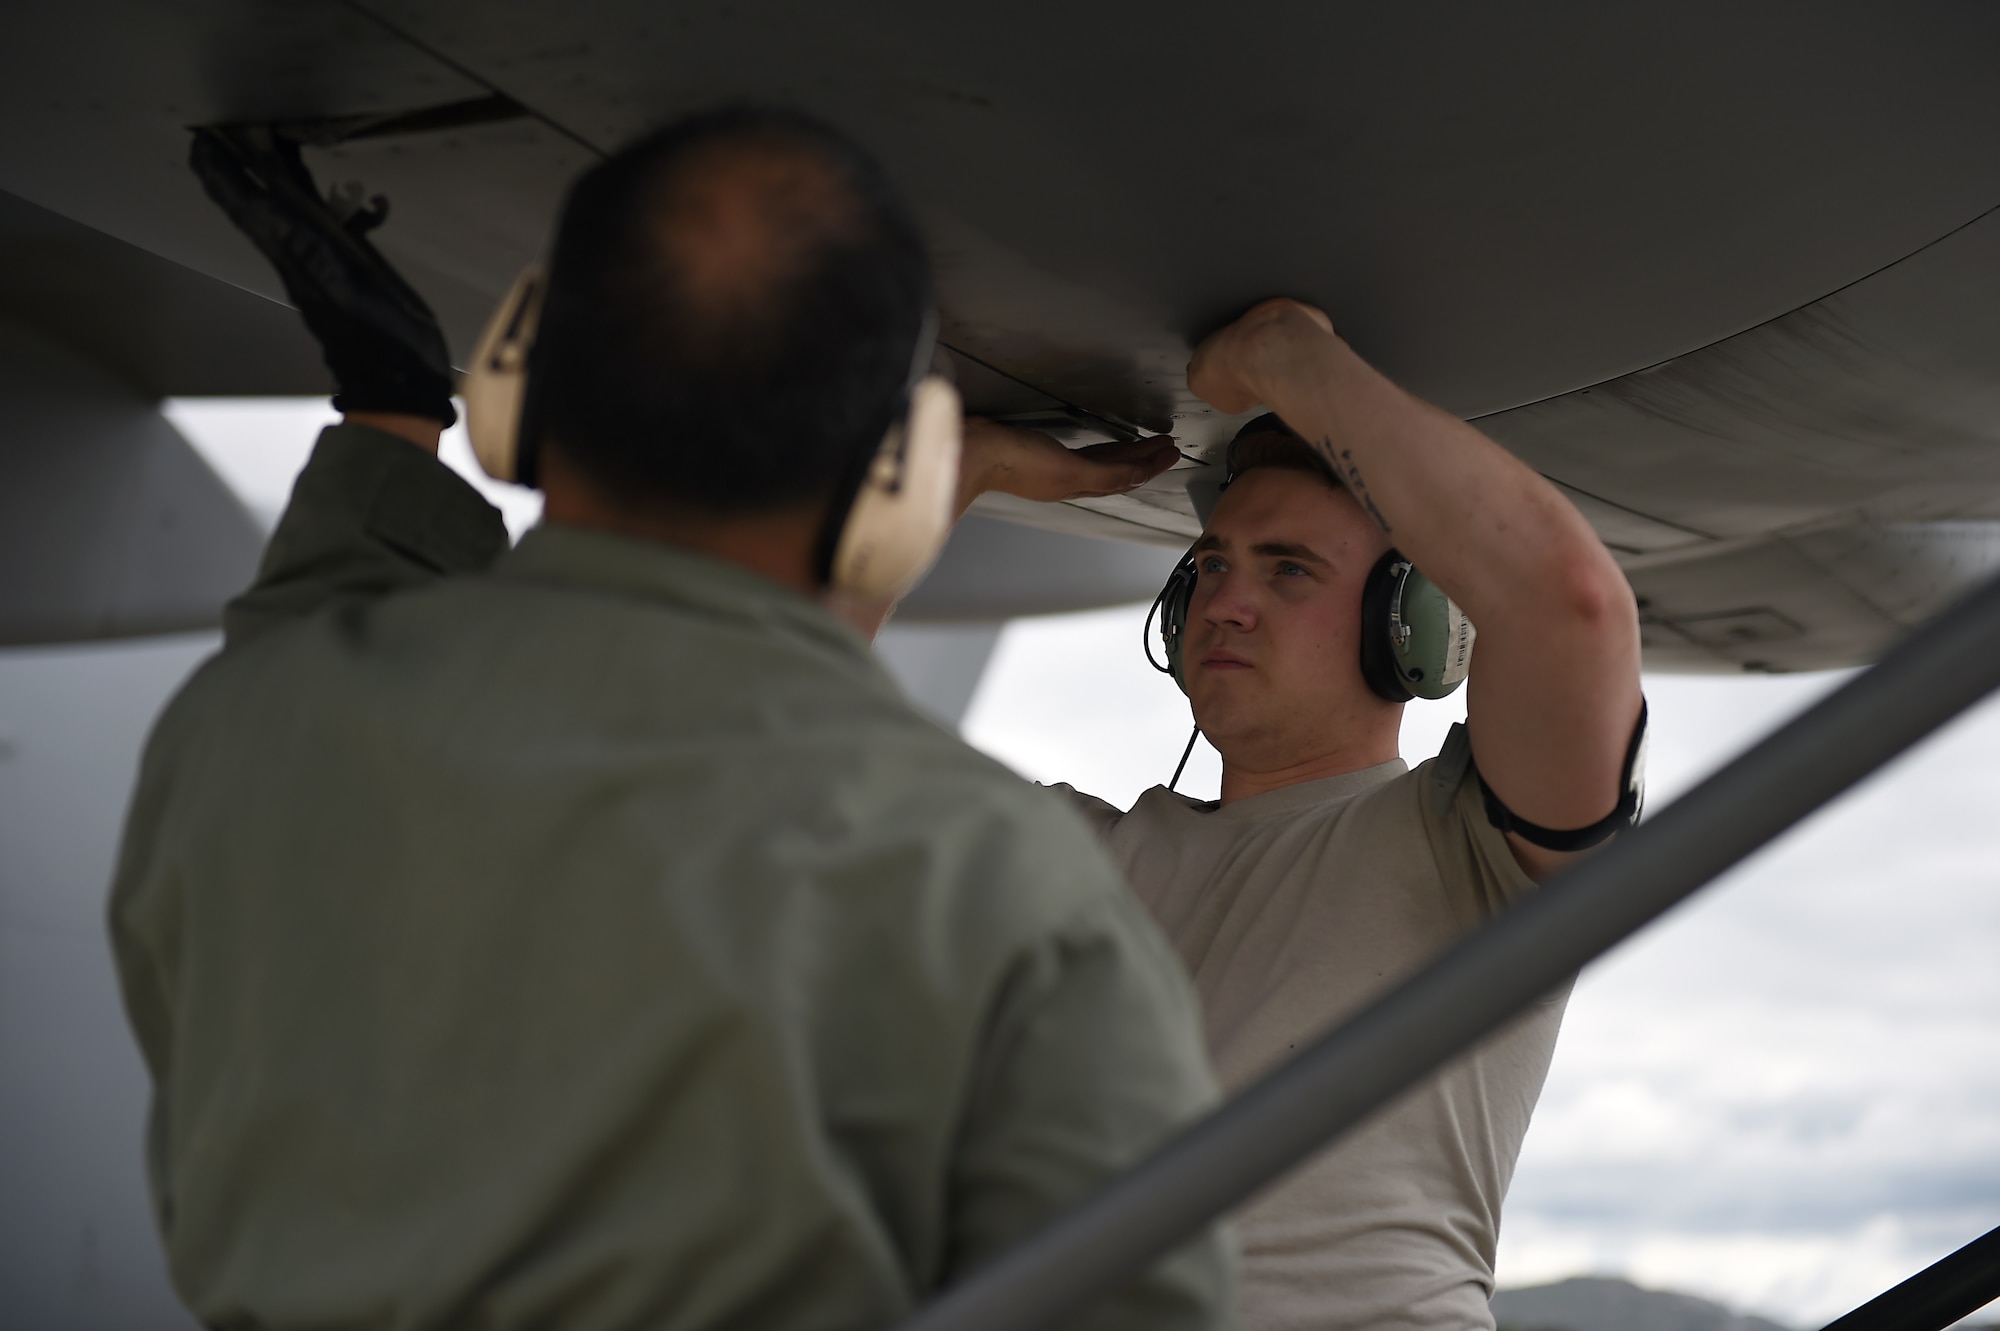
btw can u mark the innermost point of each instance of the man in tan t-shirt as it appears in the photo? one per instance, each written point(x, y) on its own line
point(1327, 870)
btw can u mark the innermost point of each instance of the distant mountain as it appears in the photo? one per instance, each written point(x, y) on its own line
point(1593, 1304)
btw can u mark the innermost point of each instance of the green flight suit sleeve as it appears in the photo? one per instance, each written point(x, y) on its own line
point(371, 514)
point(1094, 1048)
point(145, 937)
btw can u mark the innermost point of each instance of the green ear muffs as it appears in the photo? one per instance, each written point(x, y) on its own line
point(1415, 642)
point(1171, 605)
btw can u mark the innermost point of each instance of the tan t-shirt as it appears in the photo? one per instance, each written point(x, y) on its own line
point(1292, 909)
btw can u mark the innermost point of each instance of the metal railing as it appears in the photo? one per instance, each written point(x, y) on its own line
point(1936, 1296)
point(1484, 981)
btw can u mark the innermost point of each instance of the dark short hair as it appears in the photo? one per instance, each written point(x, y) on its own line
point(776, 394)
point(1268, 442)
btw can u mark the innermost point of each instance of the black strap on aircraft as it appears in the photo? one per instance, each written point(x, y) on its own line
point(1486, 980)
point(1936, 1296)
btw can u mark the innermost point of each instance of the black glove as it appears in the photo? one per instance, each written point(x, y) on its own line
point(381, 341)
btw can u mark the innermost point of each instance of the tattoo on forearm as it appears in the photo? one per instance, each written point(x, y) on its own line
point(1342, 461)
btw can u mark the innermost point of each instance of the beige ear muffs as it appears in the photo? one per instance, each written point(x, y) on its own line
point(897, 523)
point(903, 512)
point(496, 382)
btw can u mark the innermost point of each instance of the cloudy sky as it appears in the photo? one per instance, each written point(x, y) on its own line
point(1785, 1096)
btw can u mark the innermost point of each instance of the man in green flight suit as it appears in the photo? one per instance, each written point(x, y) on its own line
point(590, 935)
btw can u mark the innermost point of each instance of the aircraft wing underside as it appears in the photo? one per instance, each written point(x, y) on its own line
point(1724, 273)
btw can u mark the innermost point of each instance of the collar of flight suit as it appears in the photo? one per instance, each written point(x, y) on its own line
point(631, 566)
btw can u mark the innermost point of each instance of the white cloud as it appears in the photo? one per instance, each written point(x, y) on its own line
point(1787, 1095)
point(258, 444)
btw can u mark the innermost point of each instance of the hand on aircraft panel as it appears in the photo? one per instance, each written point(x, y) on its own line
point(380, 340)
point(1032, 465)
point(1231, 368)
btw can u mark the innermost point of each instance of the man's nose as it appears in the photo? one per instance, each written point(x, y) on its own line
point(1226, 599)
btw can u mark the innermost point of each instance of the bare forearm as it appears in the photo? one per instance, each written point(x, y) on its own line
point(1029, 465)
point(1476, 519)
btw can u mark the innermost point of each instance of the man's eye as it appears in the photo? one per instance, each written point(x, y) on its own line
point(1288, 569)
point(1212, 564)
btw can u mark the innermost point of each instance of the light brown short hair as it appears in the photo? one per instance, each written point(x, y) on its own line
point(1268, 442)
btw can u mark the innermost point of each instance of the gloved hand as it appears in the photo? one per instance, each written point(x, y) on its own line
point(379, 338)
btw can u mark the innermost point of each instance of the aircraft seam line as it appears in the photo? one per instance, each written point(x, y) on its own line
point(466, 71)
point(1975, 220)
point(1116, 424)
point(1627, 508)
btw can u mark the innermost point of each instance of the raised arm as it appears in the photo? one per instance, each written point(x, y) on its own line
point(1553, 698)
point(374, 511)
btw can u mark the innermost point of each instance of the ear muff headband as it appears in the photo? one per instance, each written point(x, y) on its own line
point(496, 382)
point(901, 514)
point(1415, 641)
point(1171, 608)
point(897, 508)
point(892, 516)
